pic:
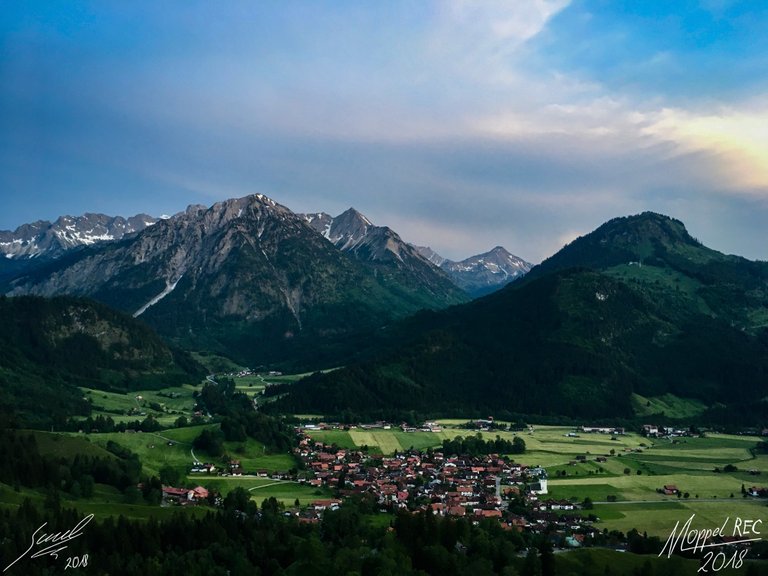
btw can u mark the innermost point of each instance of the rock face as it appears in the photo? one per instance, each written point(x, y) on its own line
point(246, 276)
point(482, 274)
point(43, 239)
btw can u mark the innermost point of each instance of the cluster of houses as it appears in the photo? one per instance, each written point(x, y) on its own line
point(249, 372)
point(613, 430)
point(670, 490)
point(654, 431)
point(758, 492)
point(184, 496)
point(460, 486)
point(475, 488)
point(378, 425)
point(203, 468)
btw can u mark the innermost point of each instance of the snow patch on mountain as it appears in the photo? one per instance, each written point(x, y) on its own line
point(169, 287)
point(483, 273)
point(52, 239)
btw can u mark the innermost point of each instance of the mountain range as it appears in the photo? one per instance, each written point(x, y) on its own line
point(52, 239)
point(383, 248)
point(636, 309)
point(33, 244)
point(250, 278)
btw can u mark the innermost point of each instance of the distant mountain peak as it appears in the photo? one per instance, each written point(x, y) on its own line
point(382, 249)
point(44, 239)
point(430, 255)
point(346, 231)
point(353, 214)
point(484, 273)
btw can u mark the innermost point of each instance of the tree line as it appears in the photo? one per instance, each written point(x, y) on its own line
point(477, 446)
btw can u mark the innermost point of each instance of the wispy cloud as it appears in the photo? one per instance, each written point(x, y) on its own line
point(462, 124)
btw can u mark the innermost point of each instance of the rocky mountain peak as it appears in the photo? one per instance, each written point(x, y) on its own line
point(481, 274)
point(430, 255)
point(43, 239)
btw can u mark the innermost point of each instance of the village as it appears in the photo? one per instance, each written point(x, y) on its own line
point(479, 487)
point(472, 487)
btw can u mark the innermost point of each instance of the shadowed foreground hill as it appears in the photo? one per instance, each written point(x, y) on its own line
point(50, 346)
point(644, 312)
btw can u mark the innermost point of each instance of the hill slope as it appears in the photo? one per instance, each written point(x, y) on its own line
point(579, 341)
point(50, 346)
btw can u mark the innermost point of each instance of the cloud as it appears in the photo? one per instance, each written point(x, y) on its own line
point(460, 124)
point(736, 136)
point(511, 22)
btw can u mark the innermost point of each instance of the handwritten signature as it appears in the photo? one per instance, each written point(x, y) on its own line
point(53, 543)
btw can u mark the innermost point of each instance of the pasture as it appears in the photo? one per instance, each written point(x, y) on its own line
point(660, 518)
point(547, 445)
point(173, 447)
point(165, 405)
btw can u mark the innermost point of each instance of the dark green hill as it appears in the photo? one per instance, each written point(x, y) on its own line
point(656, 254)
point(48, 347)
point(579, 341)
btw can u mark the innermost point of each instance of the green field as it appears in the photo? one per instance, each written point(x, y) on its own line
point(667, 405)
point(689, 464)
point(67, 446)
point(106, 501)
point(215, 363)
point(659, 518)
point(125, 407)
point(153, 449)
point(547, 445)
point(173, 447)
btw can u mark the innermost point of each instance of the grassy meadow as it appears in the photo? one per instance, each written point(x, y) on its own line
point(125, 407)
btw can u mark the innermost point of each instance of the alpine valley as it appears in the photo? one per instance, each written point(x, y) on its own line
point(613, 380)
point(636, 309)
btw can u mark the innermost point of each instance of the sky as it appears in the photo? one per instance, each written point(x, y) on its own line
point(460, 124)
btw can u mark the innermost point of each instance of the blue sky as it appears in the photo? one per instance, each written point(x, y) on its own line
point(460, 124)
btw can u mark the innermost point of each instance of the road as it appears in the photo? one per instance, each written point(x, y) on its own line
point(675, 500)
point(276, 482)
